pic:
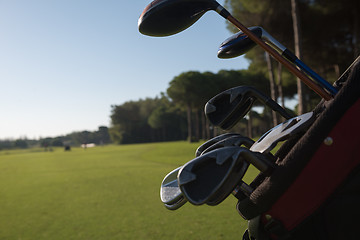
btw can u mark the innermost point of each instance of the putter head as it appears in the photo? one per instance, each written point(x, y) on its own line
point(211, 177)
point(170, 193)
point(227, 108)
point(282, 132)
point(236, 140)
point(238, 44)
point(212, 141)
point(167, 17)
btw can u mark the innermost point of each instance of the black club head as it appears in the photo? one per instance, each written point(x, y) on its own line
point(212, 141)
point(227, 108)
point(238, 44)
point(168, 17)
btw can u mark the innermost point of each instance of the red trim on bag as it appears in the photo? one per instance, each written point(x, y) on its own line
point(327, 169)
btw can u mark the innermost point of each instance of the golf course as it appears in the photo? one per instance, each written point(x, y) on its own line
point(105, 192)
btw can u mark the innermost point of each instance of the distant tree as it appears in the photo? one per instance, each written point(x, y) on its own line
point(6, 144)
point(102, 135)
point(183, 91)
point(298, 52)
point(168, 121)
point(129, 121)
point(20, 143)
point(45, 142)
point(116, 134)
point(57, 142)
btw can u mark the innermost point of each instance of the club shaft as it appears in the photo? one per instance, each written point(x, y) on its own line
point(315, 76)
point(277, 108)
point(295, 60)
point(320, 91)
point(300, 64)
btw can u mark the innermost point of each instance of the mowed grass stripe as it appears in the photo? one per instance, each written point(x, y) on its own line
point(109, 192)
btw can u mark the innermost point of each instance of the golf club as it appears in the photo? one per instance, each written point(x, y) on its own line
point(240, 43)
point(168, 17)
point(228, 107)
point(230, 141)
point(282, 132)
point(211, 177)
point(170, 193)
point(212, 141)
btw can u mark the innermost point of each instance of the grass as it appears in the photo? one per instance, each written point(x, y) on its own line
point(109, 192)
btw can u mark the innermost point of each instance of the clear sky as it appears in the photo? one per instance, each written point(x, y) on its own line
point(63, 63)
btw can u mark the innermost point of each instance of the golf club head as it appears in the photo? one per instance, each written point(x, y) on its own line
point(211, 173)
point(170, 193)
point(238, 44)
point(167, 17)
point(211, 177)
point(282, 132)
point(228, 107)
point(212, 141)
point(236, 140)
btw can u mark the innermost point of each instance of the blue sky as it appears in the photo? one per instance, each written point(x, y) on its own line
point(64, 63)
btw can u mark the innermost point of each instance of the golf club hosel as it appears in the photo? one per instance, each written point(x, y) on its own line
point(222, 11)
point(251, 157)
point(272, 41)
point(242, 188)
point(277, 108)
point(290, 56)
point(271, 103)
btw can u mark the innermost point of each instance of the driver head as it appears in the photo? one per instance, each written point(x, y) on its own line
point(168, 17)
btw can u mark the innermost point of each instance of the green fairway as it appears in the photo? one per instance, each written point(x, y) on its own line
point(109, 192)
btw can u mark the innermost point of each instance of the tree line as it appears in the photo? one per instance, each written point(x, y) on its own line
point(178, 113)
point(99, 137)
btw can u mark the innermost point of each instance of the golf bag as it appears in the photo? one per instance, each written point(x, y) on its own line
point(314, 191)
